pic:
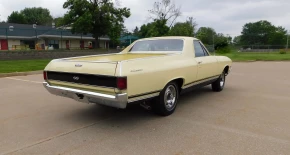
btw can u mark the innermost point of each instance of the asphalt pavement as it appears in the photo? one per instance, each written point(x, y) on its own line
point(250, 116)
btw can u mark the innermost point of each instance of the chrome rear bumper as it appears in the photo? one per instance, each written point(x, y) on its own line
point(117, 101)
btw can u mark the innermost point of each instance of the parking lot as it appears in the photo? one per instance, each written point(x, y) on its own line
point(251, 116)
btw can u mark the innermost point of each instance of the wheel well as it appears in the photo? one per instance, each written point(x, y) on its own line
point(179, 82)
point(226, 70)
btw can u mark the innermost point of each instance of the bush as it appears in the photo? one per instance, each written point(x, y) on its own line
point(282, 51)
point(223, 50)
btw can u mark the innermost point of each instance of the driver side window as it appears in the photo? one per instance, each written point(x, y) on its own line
point(199, 49)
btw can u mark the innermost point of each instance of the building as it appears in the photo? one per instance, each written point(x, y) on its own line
point(22, 36)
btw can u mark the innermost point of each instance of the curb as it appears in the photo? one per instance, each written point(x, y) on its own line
point(20, 73)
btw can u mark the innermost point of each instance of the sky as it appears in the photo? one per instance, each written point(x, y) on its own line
point(225, 16)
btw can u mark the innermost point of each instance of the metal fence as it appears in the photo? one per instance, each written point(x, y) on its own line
point(260, 48)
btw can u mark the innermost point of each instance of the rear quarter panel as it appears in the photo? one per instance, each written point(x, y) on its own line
point(152, 74)
point(223, 62)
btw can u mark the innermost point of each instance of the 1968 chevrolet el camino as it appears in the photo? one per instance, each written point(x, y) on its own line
point(156, 69)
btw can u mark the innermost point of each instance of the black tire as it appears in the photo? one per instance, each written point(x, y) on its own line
point(163, 108)
point(219, 84)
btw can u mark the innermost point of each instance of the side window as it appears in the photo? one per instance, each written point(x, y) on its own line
point(198, 49)
point(204, 50)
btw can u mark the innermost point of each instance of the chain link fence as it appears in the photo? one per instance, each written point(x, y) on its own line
point(260, 48)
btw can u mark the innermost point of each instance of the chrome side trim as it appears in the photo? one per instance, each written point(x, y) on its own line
point(116, 100)
point(79, 84)
point(143, 97)
point(199, 82)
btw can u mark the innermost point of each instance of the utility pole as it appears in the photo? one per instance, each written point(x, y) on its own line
point(7, 38)
point(60, 39)
point(287, 41)
point(213, 43)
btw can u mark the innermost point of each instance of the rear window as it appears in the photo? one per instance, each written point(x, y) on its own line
point(161, 45)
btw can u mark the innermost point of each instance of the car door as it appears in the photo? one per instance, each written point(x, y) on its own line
point(207, 64)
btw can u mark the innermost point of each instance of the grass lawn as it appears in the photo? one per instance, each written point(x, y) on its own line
point(10, 66)
point(248, 56)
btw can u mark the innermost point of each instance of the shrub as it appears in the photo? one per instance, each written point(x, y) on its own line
point(223, 50)
point(282, 51)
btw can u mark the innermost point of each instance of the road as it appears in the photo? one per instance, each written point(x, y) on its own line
point(251, 116)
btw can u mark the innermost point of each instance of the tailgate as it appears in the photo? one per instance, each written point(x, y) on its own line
point(86, 67)
point(92, 76)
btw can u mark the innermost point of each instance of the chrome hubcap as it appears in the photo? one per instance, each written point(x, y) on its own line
point(222, 82)
point(170, 97)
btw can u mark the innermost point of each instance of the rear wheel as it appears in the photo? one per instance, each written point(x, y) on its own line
point(219, 84)
point(166, 102)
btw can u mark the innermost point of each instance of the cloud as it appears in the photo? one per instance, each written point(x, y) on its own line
point(226, 16)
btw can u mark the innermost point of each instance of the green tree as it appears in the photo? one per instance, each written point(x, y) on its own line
point(35, 15)
point(263, 33)
point(192, 23)
point(98, 17)
point(183, 29)
point(163, 14)
point(209, 37)
point(136, 31)
point(144, 29)
point(16, 17)
point(116, 32)
point(237, 40)
point(59, 21)
point(221, 41)
point(154, 29)
point(160, 28)
point(279, 37)
point(206, 35)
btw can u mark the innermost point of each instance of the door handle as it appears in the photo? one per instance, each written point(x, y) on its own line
point(199, 62)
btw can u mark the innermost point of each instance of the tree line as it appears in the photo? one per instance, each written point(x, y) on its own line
point(261, 32)
point(105, 17)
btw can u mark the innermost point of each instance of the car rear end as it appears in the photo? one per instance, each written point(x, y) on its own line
point(86, 81)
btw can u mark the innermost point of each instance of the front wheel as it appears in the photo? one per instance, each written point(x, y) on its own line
point(166, 103)
point(219, 84)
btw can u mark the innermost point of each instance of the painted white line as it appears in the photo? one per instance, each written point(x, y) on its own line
point(23, 80)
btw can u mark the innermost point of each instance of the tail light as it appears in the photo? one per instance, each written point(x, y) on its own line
point(122, 83)
point(44, 75)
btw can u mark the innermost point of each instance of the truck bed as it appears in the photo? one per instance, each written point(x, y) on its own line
point(114, 57)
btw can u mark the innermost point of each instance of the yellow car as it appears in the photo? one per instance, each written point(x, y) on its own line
point(153, 69)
